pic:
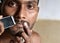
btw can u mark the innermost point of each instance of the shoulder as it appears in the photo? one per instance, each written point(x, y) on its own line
point(35, 37)
point(35, 34)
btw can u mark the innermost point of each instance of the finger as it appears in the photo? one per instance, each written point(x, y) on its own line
point(29, 32)
point(1, 28)
point(26, 37)
point(1, 16)
point(1, 25)
point(20, 39)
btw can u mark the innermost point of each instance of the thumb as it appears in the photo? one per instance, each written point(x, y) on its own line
point(1, 25)
point(1, 16)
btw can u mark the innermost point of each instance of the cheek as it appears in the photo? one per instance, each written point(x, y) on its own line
point(32, 16)
point(10, 11)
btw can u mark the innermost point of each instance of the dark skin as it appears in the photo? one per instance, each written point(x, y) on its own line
point(21, 10)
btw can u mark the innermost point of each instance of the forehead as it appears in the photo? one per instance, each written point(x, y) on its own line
point(25, 0)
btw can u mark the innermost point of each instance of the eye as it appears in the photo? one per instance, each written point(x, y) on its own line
point(30, 6)
point(12, 4)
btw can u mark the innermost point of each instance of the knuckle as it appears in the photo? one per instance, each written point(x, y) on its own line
point(28, 40)
point(1, 28)
point(1, 16)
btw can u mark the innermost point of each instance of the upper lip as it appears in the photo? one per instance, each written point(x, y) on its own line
point(19, 21)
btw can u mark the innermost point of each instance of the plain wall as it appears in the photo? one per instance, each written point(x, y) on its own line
point(49, 9)
point(48, 30)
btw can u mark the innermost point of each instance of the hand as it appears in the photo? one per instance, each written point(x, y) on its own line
point(26, 36)
point(1, 26)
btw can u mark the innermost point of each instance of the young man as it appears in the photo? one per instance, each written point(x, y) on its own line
point(25, 13)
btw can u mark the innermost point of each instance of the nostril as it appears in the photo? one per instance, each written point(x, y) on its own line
point(23, 17)
point(12, 41)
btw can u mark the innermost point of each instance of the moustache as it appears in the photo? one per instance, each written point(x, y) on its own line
point(22, 22)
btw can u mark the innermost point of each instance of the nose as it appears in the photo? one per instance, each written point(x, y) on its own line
point(20, 13)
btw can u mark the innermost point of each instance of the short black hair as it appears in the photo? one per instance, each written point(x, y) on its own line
point(38, 1)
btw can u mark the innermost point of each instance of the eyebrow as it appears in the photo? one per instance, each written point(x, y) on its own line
point(32, 2)
point(28, 1)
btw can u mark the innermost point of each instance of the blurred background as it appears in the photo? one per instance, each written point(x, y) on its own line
point(48, 21)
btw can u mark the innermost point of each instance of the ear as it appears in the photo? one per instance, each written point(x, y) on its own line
point(38, 9)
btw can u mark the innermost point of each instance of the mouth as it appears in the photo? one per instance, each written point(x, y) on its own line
point(20, 27)
point(20, 23)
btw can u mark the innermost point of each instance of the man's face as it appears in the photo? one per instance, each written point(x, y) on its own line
point(22, 10)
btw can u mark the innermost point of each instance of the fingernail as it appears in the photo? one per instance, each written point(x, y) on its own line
point(25, 24)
